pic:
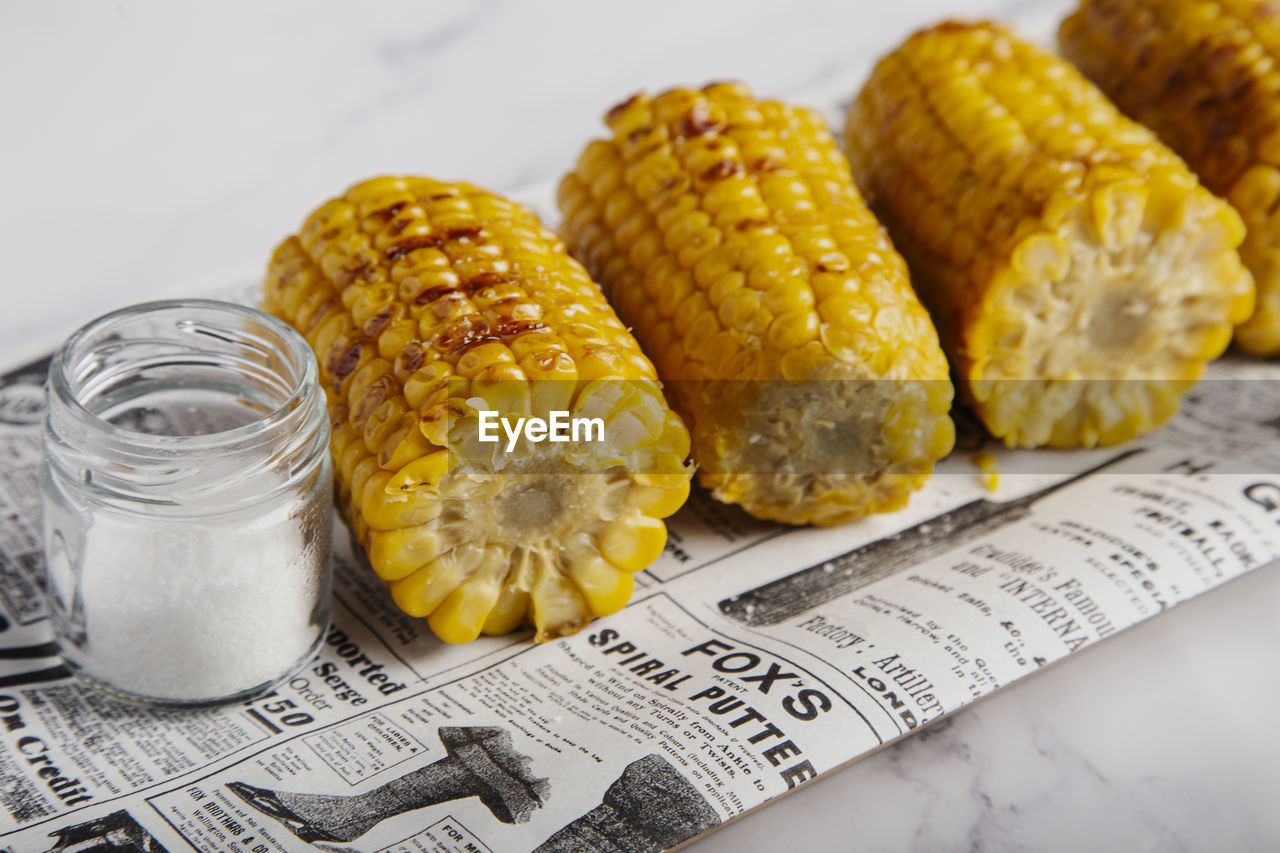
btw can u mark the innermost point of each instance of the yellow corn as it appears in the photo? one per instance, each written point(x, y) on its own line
point(1079, 275)
point(989, 466)
point(1203, 76)
point(728, 233)
point(427, 303)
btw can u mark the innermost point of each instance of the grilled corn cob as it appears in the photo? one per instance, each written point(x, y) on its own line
point(427, 303)
point(1079, 275)
point(728, 233)
point(1203, 76)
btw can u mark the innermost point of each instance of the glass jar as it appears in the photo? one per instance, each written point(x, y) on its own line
point(187, 502)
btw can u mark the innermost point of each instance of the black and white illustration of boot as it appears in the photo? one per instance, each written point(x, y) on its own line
point(649, 808)
point(481, 762)
point(117, 832)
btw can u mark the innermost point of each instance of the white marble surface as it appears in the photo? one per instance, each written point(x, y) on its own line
point(157, 149)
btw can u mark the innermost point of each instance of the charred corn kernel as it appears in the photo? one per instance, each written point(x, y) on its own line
point(1203, 76)
point(404, 445)
point(1079, 275)
point(420, 474)
point(427, 303)
point(729, 235)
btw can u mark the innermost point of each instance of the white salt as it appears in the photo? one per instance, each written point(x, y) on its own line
point(201, 610)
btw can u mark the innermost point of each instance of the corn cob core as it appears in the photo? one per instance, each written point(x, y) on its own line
point(1079, 275)
point(728, 233)
point(1204, 77)
point(426, 302)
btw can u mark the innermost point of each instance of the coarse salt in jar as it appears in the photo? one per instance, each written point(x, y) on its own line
point(187, 502)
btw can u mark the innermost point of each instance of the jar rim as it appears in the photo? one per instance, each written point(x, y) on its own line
point(300, 390)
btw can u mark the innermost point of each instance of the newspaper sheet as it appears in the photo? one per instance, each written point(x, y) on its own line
point(752, 659)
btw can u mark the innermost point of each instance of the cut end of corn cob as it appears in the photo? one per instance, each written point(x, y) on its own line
point(823, 451)
point(428, 303)
point(728, 233)
point(1079, 274)
point(1203, 76)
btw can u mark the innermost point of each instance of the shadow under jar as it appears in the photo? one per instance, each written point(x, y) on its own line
point(187, 502)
